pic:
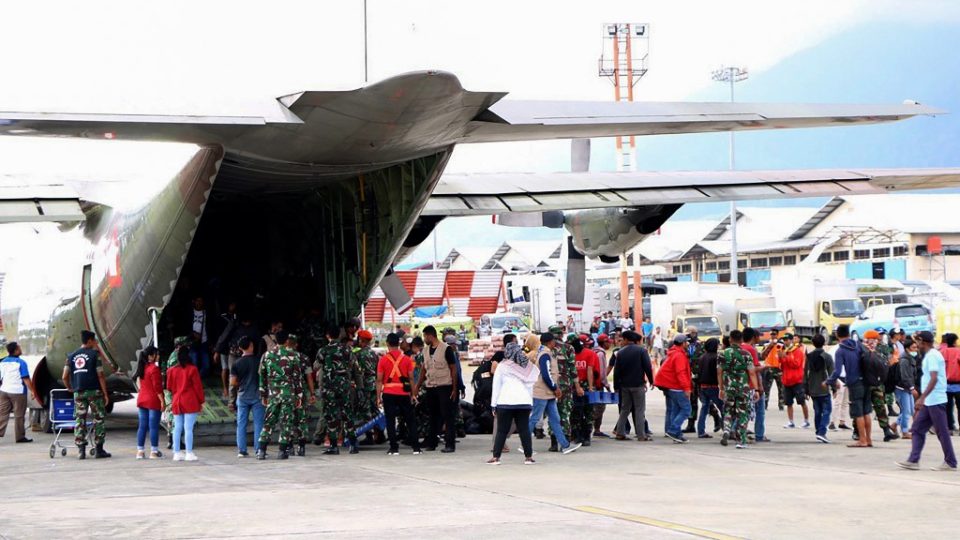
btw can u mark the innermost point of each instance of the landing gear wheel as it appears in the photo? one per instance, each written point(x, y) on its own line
point(93, 451)
point(53, 451)
point(63, 452)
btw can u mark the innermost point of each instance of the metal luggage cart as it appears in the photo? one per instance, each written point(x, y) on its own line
point(61, 419)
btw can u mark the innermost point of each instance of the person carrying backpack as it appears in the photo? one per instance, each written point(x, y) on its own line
point(817, 370)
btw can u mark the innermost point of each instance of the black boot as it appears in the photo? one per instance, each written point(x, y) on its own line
point(553, 444)
point(690, 427)
point(83, 451)
point(318, 440)
point(283, 452)
point(101, 453)
point(354, 447)
point(889, 435)
point(538, 433)
point(890, 411)
point(262, 453)
point(302, 448)
point(332, 451)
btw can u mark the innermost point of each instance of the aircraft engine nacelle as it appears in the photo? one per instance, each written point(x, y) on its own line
point(607, 233)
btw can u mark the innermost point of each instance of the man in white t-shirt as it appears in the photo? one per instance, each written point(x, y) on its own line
point(931, 407)
point(13, 392)
point(199, 326)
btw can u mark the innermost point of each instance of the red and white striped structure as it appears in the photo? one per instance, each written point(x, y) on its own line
point(467, 293)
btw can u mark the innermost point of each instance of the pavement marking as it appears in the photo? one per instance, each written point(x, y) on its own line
point(676, 527)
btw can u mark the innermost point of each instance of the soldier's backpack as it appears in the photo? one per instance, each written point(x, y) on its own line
point(873, 367)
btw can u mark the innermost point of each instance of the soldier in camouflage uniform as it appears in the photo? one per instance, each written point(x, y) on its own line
point(422, 411)
point(367, 361)
point(311, 332)
point(305, 369)
point(736, 367)
point(328, 346)
point(83, 375)
point(694, 352)
point(568, 383)
point(281, 389)
point(877, 393)
point(339, 392)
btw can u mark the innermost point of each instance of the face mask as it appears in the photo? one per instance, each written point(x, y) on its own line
point(913, 354)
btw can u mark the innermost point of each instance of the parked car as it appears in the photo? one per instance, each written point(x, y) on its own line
point(910, 317)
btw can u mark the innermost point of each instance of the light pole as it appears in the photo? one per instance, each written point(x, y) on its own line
point(732, 75)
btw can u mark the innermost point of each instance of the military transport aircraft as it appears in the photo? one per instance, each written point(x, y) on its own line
point(316, 200)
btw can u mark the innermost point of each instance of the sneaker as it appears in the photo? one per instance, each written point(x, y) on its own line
point(571, 448)
point(178, 456)
point(944, 467)
point(156, 454)
point(832, 427)
point(417, 452)
point(190, 457)
point(909, 465)
point(806, 425)
point(675, 438)
point(843, 426)
point(393, 452)
point(725, 439)
point(140, 454)
point(529, 461)
point(823, 439)
point(789, 425)
point(705, 436)
point(493, 461)
point(741, 446)
point(601, 434)
point(764, 439)
point(241, 455)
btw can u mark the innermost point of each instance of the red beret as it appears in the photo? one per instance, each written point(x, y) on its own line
point(365, 334)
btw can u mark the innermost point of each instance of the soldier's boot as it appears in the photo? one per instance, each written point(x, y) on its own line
point(262, 452)
point(83, 451)
point(101, 453)
point(538, 433)
point(318, 440)
point(553, 444)
point(302, 448)
point(890, 411)
point(354, 447)
point(690, 427)
point(889, 434)
point(332, 451)
point(283, 451)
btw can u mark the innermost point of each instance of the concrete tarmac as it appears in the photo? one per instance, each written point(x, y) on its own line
point(793, 487)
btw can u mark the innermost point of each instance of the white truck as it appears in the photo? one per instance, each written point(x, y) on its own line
point(762, 314)
point(694, 313)
point(818, 306)
point(547, 295)
point(711, 307)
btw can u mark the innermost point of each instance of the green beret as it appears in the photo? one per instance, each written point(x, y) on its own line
point(182, 341)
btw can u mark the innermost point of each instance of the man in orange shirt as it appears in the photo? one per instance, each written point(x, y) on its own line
point(792, 363)
point(396, 392)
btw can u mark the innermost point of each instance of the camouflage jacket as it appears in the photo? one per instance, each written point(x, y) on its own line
point(367, 361)
point(281, 374)
point(735, 363)
point(694, 352)
point(337, 362)
point(567, 367)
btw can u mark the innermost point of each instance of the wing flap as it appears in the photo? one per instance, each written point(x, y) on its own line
point(480, 194)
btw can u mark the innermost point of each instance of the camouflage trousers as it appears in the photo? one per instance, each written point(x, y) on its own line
point(565, 408)
point(366, 408)
point(770, 376)
point(736, 413)
point(281, 414)
point(338, 417)
point(300, 427)
point(87, 404)
point(878, 398)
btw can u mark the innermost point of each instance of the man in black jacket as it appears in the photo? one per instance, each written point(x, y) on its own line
point(632, 365)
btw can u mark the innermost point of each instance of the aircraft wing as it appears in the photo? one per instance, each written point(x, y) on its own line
point(535, 120)
point(31, 204)
point(498, 193)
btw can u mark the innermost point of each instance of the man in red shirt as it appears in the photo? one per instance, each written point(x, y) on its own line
point(792, 364)
point(588, 370)
point(396, 393)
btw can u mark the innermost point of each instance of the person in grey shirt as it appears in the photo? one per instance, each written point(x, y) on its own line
point(245, 394)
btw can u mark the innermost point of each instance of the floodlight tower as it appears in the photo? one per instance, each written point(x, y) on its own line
point(732, 75)
point(623, 60)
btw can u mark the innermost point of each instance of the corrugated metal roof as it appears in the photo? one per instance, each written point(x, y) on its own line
point(816, 219)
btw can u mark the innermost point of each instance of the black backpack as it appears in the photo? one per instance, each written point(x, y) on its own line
point(873, 367)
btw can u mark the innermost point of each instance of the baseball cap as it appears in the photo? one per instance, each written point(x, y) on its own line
point(603, 338)
point(880, 330)
point(679, 339)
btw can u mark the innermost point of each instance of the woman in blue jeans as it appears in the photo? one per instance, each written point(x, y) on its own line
point(150, 401)
point(183, 382)
point(906, 367)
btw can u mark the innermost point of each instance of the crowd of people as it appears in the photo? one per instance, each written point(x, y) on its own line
point(557, 376)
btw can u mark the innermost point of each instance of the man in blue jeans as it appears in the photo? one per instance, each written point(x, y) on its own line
point(245, 395)
point(750, 339)
point(546, 392)
point(675, 380)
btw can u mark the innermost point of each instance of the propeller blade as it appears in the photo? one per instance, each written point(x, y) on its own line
point(576, 277)
point(551, 220)
point(395, 292)
point(580, 155)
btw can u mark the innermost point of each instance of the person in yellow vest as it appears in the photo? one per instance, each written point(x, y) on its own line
point(438, 375)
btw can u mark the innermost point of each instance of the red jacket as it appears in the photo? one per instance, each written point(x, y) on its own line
point(150, 388)
point(792, 366)
point(951, 356)
point(675, 374)
point(184, 383)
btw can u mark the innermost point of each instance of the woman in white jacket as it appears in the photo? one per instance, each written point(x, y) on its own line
point(512, 400)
